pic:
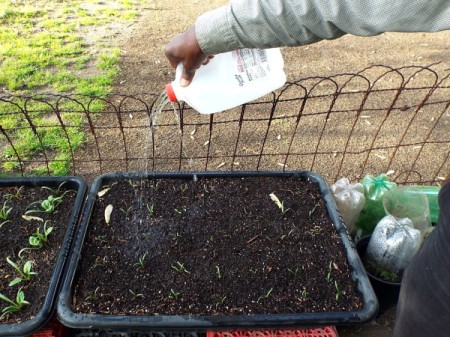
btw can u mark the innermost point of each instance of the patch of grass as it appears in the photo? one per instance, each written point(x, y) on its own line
point(44, 49)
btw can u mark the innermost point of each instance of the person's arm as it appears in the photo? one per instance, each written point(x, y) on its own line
point(276, 23)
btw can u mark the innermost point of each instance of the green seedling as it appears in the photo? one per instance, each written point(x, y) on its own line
point(4, 213)
point(134, 294)
point(218, 274)
point(304, 293)
point(24, 271)
point(48, 205)
point(293, 271)
point(38, 239)
point(149, 209)
point(279, 203)
point(329, 271)
point(338, 290)
point(265, 296)
point(179, 267)
point(313, 209)
point(253, 271)
point(174, 294)
point(205, 188)
point(183, 187)
point(155, 186)
point(93, 295)
point(14, 306)
point(58, 190)
point(127, 211)
point(177, 211)
point(141, 263)
point(14, 196)
point(288, 235)
point(221, 301)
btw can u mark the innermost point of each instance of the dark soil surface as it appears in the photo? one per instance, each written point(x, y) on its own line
point(14, 235)
point(213, 246)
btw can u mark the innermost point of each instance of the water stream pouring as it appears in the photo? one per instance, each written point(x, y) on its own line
point(230, 79)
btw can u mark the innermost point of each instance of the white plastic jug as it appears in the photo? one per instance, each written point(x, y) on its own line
point(230, 79)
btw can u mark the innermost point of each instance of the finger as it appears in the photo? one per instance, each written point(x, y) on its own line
point(187, 76)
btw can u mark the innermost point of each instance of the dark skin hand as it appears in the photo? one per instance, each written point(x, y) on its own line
point(185, 49)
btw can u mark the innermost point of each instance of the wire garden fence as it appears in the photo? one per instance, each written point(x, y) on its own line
point(378, 120)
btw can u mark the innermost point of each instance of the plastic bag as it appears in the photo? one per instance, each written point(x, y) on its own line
point(349, 200)
point(373, 211)
point(393, 244)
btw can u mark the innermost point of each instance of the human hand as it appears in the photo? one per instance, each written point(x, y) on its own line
point(185, 49)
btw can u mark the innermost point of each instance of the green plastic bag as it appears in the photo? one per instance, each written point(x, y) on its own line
point(373, 210)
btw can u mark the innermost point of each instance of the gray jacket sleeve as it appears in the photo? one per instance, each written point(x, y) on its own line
point(276, 23)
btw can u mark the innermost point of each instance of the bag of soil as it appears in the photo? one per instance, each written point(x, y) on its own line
point(393, 244)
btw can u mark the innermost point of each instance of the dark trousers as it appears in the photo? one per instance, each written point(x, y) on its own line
point(424, 305)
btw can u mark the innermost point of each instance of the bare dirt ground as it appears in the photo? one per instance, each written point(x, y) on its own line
point(144, 69)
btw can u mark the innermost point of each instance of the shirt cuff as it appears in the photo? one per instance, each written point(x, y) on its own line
point(214, 33)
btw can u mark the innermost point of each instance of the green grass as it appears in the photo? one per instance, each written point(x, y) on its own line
point(43, 49)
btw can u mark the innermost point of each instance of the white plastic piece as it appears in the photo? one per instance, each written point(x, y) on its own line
point(230, 79)
point(349, 201)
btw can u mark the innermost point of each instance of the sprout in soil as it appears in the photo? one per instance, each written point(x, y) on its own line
point(141, 263)
point(183, 187)
point(313, 209)
point(48, 205)
point(279, 203)
point(338, 290)
point(329, 271)
point(14, 306)
point(221, 301)
point(218, 274)
point(293, 271)
point(265, 296)
point(58, 191)
point(288, 235)
point(179, 267)
point(38, 239)
point(304, 293)
point(4, 213)
point(154, 186)
point(135, 294)
point(14, 196)
point(93, 295)
point(24, 271)
point(149, 209)
point(127, 211)
point(177, 211)
point(174, 294)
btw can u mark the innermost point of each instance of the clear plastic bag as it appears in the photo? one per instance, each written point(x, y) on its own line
point(349, 200)
point(393, 244)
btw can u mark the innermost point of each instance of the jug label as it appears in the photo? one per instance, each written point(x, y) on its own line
point(252, 64)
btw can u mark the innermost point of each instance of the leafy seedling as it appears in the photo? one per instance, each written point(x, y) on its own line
point(93, 295)
point(48, 205)
point(218, 274)
point(4, 213)
point(38, 239)
point(221, 301)
point(15, 306)
point(135, 294)
point(149, 209)
point(293, 271)
point(24, 271)
point(329, 271)
point(141, 263)
point(14, 196)
point(313, 209)
point(265, 296)
point(279, 203)
point(127, 211)
point(338, 291)
point(179, 267)
point(305, 293)
point(174, 294)
point(58, 190)
point(288, 235)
